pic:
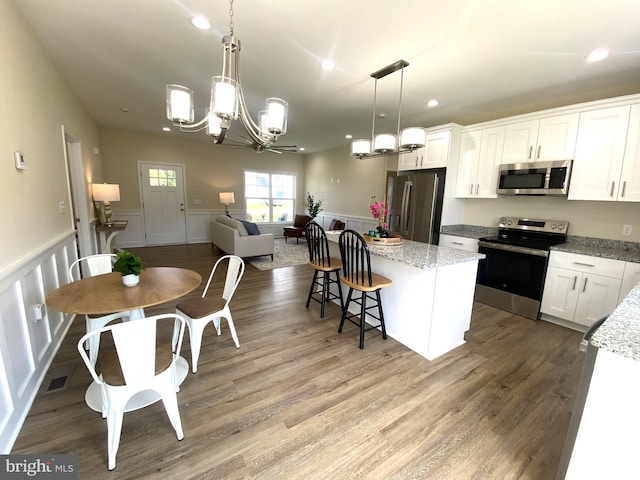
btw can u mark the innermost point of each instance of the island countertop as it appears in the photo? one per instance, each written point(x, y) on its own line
point(417, 254)
point(620, 333)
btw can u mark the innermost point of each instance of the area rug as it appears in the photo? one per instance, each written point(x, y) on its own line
point(284, 255)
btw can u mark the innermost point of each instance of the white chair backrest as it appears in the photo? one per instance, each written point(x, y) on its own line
point(135, 343)
point(235, 271)
point(96, 265)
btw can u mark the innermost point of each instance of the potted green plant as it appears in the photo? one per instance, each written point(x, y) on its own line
point(129, 266)
point(313, 207)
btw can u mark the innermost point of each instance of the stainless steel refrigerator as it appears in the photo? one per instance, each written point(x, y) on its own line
point(415, 204)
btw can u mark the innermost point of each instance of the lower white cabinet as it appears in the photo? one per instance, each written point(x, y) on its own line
point(461, 243)
point(581, 288)
point(630, 279)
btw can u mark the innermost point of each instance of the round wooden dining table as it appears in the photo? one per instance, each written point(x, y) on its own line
point(104, 294)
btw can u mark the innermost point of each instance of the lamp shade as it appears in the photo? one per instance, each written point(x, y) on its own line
point(224, 97)
point(384, 143)
point(106, 192)
point(226, 198)
point(276, 118)
point(360, 148)
point(179, 104)
point(214, 124)
point(413, 137)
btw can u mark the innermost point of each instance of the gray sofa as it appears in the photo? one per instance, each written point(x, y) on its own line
point(231, 236)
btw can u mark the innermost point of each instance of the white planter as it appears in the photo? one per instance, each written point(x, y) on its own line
point(130, 280)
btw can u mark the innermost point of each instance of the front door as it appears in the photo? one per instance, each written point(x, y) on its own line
point(163, 203)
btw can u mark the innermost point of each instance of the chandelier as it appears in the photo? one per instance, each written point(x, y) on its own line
point(227, 103)
point(385, 143)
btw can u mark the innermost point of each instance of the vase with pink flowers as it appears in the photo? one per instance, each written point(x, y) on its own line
point(380, 211)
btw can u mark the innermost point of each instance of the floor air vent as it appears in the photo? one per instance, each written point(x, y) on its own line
point(58, 378)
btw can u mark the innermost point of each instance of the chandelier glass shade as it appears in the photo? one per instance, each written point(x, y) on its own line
point(227, 103)
point(406, 140)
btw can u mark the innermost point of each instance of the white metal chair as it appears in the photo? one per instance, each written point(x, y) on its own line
point(95, 265)
point(142, 360)
point(199, 312)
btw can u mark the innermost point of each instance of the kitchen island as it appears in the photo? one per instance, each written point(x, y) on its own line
point(428, 307)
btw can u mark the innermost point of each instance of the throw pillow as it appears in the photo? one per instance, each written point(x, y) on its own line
point(252, 228)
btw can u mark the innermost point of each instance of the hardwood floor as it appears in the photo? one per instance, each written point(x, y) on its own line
point(297, 400)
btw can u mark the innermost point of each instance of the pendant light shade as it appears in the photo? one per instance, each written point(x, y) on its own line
point(224, 97)
point(214, 124)
point(413, 137)
point(179, 104)
point(360, 148)
point(384, 143)
point(276, 119)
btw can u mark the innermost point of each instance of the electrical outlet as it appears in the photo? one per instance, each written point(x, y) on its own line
point(63, 207)
point(626, 229)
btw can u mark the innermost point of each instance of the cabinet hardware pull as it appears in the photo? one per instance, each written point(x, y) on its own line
point(477, 188)
point(584, 264)
point(539, 148)
point(530, 151)
point(613, 184)
point(584, 287)
point(624, 186)
point(457, 243)
point(471, 189)
point(575, 279)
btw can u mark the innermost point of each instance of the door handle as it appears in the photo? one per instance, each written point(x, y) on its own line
point(584, 287)
point(477, 188)
point(624, 187)
point(530, 151)
point(539, 148)
point(613, 184)
point(575, 279)
point(471, 189)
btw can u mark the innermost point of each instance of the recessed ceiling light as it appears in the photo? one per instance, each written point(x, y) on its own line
point(433, 103)
point(597, 55)
point(301, 149)
point(166, 129)
point(200, 22)
point(125, 109)
point(348, 136)
point(328, 65)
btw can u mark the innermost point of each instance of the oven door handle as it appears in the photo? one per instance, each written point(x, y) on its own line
point(513, 248)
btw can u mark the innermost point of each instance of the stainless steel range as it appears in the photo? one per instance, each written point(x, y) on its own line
point(512, 275)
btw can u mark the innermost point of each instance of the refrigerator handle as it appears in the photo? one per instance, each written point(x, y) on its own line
point(404, 212)
point(433, 205)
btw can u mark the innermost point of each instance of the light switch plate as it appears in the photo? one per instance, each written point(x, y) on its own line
point(21, 163)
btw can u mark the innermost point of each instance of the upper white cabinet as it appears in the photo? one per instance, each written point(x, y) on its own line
point(434, 154)
point(551, 138)
point(630, 176)
point(480, 155)
point(600, 153)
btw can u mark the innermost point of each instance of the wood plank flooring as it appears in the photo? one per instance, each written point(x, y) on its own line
point(297, 400)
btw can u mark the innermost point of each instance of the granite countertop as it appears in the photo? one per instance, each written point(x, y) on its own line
point(625, 251)
point(417, 254)
point(469, 231)
point(620, 333)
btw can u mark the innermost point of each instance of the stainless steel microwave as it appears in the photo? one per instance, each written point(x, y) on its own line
point(539, 178)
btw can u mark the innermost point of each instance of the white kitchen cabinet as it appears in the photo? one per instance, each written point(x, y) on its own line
point(630, 279)
point(600, 151)
point(630, 176)
point(581, 288)
point(480, 156)
point(434, 154)
point(552, 138)
point(461, 243)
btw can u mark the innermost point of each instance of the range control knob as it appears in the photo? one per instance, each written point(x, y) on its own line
point(509, 222)
point(560, 227)
point(553, 226)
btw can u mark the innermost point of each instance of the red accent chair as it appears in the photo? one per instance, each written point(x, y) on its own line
point(297, 229)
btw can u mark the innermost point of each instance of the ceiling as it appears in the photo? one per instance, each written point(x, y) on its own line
point(481, 59)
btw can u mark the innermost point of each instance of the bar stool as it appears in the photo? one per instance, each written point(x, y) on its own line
point(322, 263)
point(357, 275)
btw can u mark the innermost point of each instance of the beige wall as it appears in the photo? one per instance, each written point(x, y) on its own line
point(209, 168)
point(589, 219)
point(35, 102)
point(354, 181)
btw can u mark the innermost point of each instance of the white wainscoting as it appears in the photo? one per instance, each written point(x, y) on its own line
point(28, 345)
